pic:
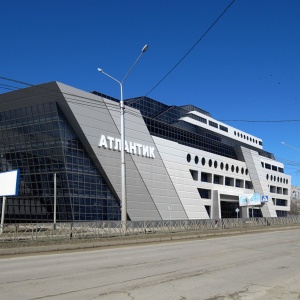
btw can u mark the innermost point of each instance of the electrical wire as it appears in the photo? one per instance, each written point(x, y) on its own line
point(190, 50)
point(81, 100)
point(72, 98)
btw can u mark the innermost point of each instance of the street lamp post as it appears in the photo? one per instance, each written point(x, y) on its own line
point(123, 164)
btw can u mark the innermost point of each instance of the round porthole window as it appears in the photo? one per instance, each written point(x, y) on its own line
point(222, 166)
point(196, 159)
point(188, 157)
point(215, 164)
point(203, 161)
point(242, 170)
point(210, 162)
point(227, 167)
point(232, 168)
point(237, 169)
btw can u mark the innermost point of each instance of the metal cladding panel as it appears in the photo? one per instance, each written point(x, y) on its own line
point(174, 158)
point(43, 93)
point(253, 162)
point(272, 182)
point(91, 116)
point(151, 170)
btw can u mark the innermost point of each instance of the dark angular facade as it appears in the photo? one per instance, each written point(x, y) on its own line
point(38, 140)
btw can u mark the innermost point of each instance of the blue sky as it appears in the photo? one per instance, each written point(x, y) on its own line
point(246, 68)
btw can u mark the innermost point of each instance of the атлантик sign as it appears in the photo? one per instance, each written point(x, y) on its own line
point(9, 183)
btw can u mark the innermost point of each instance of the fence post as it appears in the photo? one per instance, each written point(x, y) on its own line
point(70, 228)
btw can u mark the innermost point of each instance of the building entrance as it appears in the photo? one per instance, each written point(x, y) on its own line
point(228, 209)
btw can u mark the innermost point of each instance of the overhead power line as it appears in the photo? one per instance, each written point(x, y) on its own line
point(190, 50)
point(87, 101)
point(285, 144)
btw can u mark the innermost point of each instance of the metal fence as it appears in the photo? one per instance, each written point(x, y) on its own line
point(100, 229)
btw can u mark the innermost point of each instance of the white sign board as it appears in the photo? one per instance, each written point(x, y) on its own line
point(9, 183)
point(249, 199)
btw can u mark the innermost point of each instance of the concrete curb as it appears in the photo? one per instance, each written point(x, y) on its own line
point(19, 248)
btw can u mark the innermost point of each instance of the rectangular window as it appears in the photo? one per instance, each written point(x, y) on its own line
point(239, 183)
point(268, 166)
point(194, 174)
point(229, 181)
point(206, 177)
point(272, 189)
point(262, 164)
point(223, 128)
point(198, 118)
point(213, 124)
point(280, 170)
point(281, 202)
point(218, 179)
point(204, 193)
point(207, 207)
point(281, 213)
point(248, 185)
point(274, 168)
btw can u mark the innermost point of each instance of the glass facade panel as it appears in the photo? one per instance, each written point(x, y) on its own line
point(40, 150)
point(164, 121)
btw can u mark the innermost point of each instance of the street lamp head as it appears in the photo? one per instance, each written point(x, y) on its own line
point(145, 48)
point(100, 70)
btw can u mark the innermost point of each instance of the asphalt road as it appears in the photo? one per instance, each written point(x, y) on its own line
point(253, 266)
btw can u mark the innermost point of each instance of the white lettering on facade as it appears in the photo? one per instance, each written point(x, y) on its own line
point(132, 148)
point(126, 147)
point(117, 144)
point(102, 142)
point(151, 152)
point(139, 147)
point(145, 151)
point(112, 143)
point(110, 139)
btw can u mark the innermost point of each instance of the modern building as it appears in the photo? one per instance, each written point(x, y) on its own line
point(180, 162)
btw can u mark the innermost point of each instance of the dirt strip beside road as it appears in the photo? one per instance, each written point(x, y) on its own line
point(42, 246)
